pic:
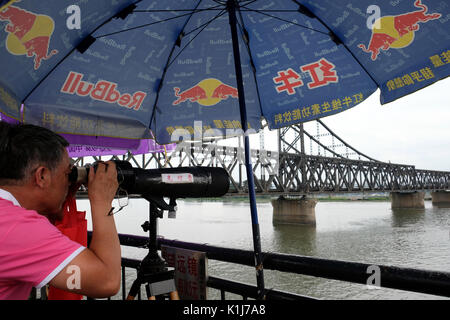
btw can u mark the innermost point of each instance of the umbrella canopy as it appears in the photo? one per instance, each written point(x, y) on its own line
point(139, 65)
point(198, 68)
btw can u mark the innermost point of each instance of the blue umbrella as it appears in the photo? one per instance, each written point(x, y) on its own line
point(205, 68)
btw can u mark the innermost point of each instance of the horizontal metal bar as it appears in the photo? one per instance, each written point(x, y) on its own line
point(246, 290)
point(423, 281)
point(130, 263)
point(250, 291)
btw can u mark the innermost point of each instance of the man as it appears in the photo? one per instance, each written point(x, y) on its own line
point(34, 183)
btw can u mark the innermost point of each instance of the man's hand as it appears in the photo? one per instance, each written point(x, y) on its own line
point(102, 184)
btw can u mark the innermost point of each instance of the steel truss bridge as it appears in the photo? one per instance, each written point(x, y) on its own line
point(330, 166)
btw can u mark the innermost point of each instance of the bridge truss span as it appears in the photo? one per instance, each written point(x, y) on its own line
point(281, 174)
point(335, 175)
point(333, 166)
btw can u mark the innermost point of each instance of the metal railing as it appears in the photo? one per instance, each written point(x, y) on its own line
point(244, 290)
point(414, 280)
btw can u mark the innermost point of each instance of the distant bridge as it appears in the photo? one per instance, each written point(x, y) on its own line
point(332, 166)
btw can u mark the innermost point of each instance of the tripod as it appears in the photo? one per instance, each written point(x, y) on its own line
point(153, 271)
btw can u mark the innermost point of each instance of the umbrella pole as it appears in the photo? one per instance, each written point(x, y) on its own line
point(231, 6)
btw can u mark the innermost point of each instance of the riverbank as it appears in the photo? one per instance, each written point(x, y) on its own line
point(267, 198)
point(319, 198)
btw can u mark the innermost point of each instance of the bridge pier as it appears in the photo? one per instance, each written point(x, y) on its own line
point(441, 198)
point(407, 200)
point(294, 211)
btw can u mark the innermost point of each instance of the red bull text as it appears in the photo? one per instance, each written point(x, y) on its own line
point(397, 31)
point(28, 33)
point(105, 91)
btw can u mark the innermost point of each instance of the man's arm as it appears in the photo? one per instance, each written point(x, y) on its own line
point(98, 266)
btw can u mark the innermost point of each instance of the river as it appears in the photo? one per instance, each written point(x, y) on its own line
point(360, 231)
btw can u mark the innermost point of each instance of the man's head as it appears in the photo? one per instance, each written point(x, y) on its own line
point(34, 161)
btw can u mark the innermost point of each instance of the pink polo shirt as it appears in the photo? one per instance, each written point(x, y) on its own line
point(32, 250)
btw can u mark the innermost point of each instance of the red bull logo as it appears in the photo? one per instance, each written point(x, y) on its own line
point(207, 92)
point(397, 31)
point(28, 33)
point(103, 90)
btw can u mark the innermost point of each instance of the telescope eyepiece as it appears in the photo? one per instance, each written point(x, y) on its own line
point(79, 175)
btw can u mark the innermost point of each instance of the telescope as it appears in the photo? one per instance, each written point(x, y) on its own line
point(182, 182)
point(154, 185)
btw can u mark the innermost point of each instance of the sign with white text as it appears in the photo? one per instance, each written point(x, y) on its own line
point(190, 272)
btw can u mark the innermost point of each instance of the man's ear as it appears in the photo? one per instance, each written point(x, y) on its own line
point(42, 176)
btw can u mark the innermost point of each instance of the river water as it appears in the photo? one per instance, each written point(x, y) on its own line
point(360, 231)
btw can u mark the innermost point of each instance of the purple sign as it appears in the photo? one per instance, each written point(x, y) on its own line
point(81, 146)
point(144, 146)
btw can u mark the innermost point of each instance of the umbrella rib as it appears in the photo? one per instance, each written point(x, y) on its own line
point(242, 4)
point(270, 10)
point(329, 33)
point(189, 42)
point(167, 66)
point(245, 4)
point(68, 54)
point(332, 34)
point(206, 23)
point(247, 46)
point(170, 61)
point(215, 8)
point(284, 20)
point(146, 25)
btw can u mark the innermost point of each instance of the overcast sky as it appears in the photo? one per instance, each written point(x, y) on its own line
point(413, 130)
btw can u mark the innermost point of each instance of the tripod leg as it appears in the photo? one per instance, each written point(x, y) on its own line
point(174, 295)
point(147, 290)
point(135, 287)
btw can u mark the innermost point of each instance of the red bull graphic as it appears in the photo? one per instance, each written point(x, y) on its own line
point(207, 92)
point(105, 91)
point(397, 31)
point(28, 33)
